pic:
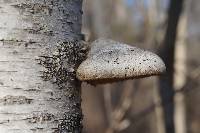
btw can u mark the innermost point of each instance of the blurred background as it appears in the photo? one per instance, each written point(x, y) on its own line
point(165, 104)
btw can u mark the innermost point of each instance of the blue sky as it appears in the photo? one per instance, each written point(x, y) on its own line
point(131, 2)
point(147, 2)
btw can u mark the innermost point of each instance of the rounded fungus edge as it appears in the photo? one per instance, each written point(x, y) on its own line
point(116, 61)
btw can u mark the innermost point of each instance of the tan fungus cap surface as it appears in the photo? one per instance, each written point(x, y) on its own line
point(110, 61)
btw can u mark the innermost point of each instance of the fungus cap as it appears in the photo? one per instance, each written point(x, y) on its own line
point(110, 61)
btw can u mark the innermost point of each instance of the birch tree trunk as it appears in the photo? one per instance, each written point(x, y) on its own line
point(40, 48)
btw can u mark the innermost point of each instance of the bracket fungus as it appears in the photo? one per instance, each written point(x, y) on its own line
point(110, 61)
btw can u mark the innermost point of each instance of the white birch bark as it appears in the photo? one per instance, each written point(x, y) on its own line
point(35, 34)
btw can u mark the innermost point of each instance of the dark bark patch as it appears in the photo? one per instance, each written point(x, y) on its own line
point(34, 8)
point(16, 42)
point(57, 66)
point(36, 129)
point(12, 100)
point(60, 68)
point(1, 83)
point(40, 118)
point(17, 88)
point(71, 122)
point(15, 52)
point(32, 90)
point(40, 29)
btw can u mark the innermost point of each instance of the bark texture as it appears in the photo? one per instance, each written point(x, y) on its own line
point(40, 49)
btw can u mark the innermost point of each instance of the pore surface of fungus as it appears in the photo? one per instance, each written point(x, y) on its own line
point(110, 61)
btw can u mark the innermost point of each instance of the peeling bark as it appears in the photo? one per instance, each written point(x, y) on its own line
point(40, 49)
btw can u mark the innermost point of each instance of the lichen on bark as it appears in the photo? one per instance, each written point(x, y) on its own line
point(60, 69)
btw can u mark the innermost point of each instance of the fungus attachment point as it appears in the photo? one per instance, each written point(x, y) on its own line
point(110, 61)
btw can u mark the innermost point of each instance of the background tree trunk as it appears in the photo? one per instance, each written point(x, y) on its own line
point(40, 49)
point(167, 54)
point(180, 75)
